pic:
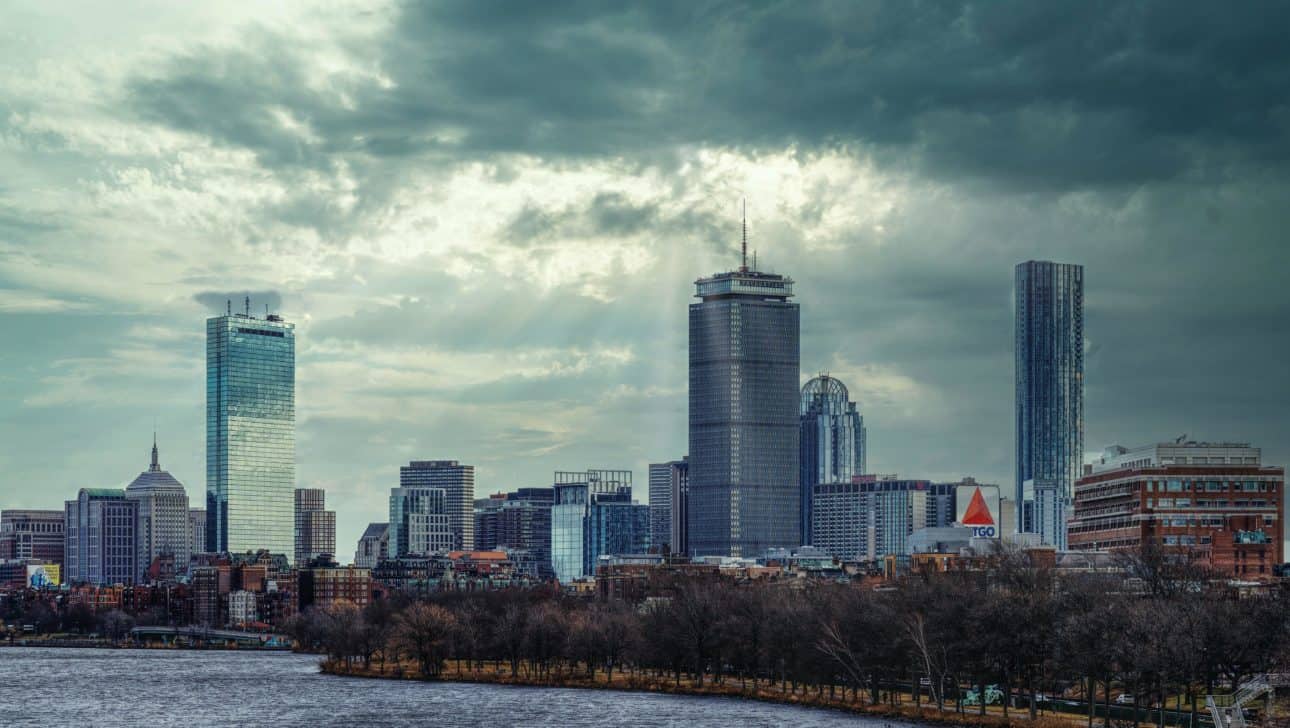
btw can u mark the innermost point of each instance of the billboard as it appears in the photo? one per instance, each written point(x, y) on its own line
point(977, 508)
point(43, 575)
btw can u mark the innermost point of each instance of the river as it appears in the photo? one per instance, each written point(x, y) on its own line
point(94, 687)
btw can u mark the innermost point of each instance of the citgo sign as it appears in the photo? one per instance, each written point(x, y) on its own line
point(978, 509)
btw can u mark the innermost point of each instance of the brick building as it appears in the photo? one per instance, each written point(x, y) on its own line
point(1216, 499)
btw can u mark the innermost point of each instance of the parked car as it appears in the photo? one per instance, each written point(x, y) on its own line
point(1124, 699)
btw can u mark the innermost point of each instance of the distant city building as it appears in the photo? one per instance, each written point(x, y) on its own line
point(325, 587)
point(250, 433)
point(458, 484)
point(594, 515)
point(519, 521)
point(420, 523)
point(163, 523)
point(31, 535)
point(315, 526)
point(1214, 499)
point(1049, 348)
point(743, 414)
point(241, 607)
point(871, 517)
point(373, 546)
point(197, 530)
point(99, 530)
point(832, 441)
point(669, 493)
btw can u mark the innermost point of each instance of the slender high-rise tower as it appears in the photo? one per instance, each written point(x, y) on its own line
point(832, 440)
point(1050, 393)
point(744, 363)
point(250, 434)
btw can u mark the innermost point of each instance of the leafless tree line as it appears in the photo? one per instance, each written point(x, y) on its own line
point(1170, 630)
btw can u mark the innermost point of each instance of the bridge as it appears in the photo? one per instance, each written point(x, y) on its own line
point(1228, 711)
point(206, 637)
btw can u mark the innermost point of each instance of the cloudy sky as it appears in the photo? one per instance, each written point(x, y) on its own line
point(486, 220)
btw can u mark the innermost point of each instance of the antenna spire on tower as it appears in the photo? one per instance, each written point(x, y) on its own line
point(248, 305)
point(744, 265)
point(156, 464)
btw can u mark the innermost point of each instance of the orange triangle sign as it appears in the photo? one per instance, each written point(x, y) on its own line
point(977, 513)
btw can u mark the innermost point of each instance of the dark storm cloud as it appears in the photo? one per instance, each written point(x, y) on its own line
point(1056, 95)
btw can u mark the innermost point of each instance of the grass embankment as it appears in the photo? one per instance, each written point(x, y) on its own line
point(904, 710)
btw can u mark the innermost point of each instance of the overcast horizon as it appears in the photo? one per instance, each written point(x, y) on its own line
point(486, 221)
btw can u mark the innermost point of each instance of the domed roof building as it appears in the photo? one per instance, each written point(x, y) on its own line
point(833, 441)
point(163, 525)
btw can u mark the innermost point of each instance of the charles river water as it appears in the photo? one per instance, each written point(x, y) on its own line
point(92, 687)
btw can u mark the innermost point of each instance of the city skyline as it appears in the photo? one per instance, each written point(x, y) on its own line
point(158, 169)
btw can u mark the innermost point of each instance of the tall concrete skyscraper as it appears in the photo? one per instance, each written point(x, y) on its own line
point(458, 484)
point(1049, 345)
point(832, 440)
point(250, 433)
point(744, 357)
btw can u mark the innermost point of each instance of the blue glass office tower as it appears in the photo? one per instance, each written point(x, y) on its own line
point(593, 515)
point(1049, 347)
point(250, 434)
point(832, 440)
point(744, 357)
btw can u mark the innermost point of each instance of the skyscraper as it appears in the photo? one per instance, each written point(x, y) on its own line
point(99, 531)
point(250, 434)
point(458, 484)
point(1049, 347)
point(162, 526)
point(669, 492)
point(744, 356)
point(315, 526)
point(832, 440)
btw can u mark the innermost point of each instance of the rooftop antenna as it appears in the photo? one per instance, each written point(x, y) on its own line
point(230, 306)
point(248, 306)
point(266, 310)
point(754, 260)
point(744, 267)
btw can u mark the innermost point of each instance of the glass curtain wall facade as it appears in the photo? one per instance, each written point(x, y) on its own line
point(250, 434)
point(1049, 345)
point(743, 417)
point(832, 442)
point(581, 527)
point(867, 519)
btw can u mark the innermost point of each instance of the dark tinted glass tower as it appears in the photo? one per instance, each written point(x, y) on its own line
point(250, 434)
point(832, 440)
point(744, 357)
point(1050, 383)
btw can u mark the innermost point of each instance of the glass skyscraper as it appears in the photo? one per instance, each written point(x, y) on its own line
point(744, 357)
point(832, 440)
point(420, 522)
point(1049, 347)
point(250, 434)
point(594, 515)
point(669, 489)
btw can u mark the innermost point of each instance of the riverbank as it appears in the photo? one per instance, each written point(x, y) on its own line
point(905, 712)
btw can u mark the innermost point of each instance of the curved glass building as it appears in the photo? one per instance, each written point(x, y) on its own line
point(832, 441)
